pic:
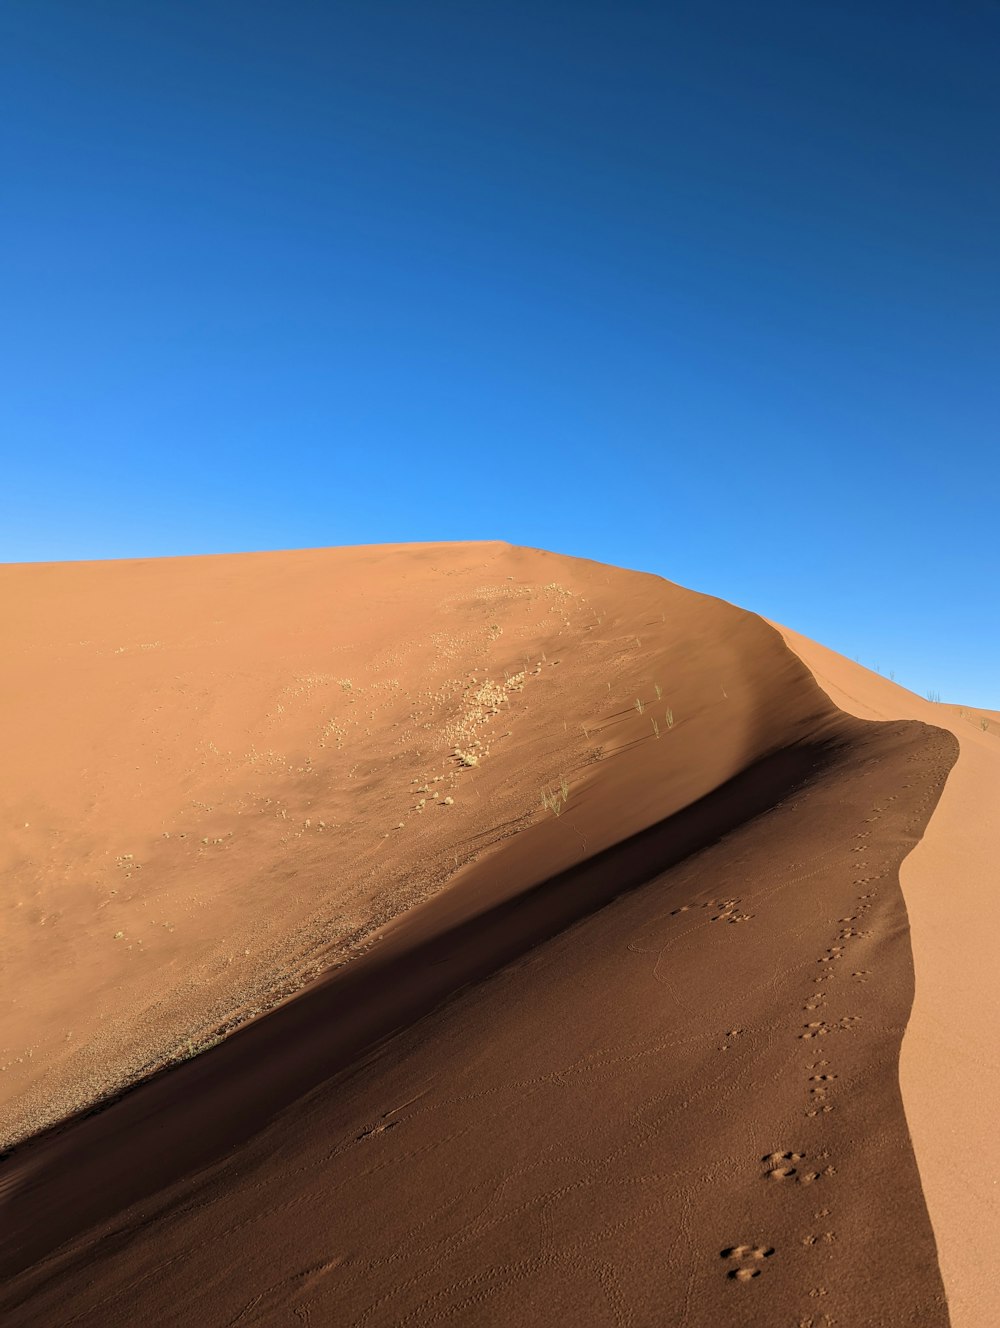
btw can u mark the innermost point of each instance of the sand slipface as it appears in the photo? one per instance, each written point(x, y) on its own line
point(608, 1028)
point(949, 1074)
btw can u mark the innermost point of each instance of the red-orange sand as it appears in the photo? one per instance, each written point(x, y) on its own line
point(498, 937)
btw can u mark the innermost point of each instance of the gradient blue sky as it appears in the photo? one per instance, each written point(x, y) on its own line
point(710, 289)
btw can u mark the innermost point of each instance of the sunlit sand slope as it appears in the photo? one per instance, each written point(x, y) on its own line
point(221, 775)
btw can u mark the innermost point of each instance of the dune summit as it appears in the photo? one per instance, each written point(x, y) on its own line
point(482, 935)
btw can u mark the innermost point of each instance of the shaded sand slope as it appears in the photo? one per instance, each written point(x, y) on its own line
point(222, 775)
point(949, 1070)
point(635, 1064)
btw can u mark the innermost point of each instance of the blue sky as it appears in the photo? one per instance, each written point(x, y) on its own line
point(710, 289)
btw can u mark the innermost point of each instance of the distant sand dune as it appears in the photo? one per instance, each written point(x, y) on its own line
point(631, 1063)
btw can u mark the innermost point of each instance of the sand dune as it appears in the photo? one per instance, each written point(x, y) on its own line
point(607, 1030)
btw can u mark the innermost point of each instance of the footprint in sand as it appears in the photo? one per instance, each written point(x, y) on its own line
point(727, 912)
point(749, 1257)
point(782, 1168)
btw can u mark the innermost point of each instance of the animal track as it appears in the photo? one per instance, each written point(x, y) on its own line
point(727, 912)
point(749, 1257)
point(820, 1028)
point(781, 1165)
point(782, 1173)
point(782, 1168)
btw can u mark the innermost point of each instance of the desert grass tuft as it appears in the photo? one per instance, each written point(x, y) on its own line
point(555, 800)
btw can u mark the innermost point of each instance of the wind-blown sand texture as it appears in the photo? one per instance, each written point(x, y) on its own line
point(635, 1063)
